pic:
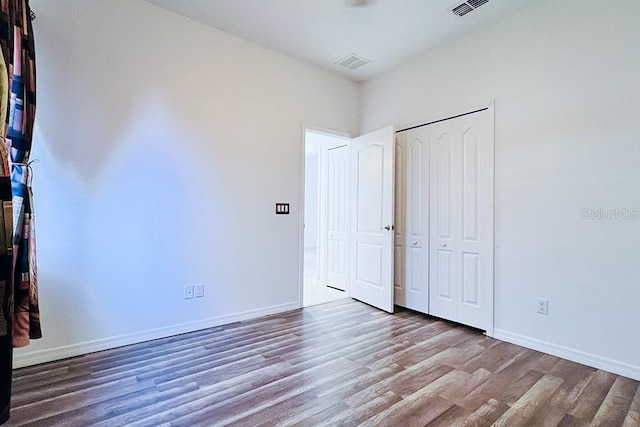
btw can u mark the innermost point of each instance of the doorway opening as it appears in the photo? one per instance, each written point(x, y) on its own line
point(325, 197)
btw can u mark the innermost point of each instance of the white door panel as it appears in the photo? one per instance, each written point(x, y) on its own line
point(369, 168)
point(372, 203)
point(461, 223)
point(476, 240)
point(443, 293)
point(417, 208)
point(337, 181)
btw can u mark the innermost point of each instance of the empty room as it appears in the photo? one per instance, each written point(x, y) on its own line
point(457, 179)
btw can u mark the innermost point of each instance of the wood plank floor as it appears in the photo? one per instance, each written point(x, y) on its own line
point(342, 363)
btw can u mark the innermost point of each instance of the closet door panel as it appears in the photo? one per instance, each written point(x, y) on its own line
point(443, 291)
point(417, 205)
point(477, 221)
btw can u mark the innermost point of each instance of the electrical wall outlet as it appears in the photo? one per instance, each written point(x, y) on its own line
point(199, 288)
point(543, 306)
point(188, 292)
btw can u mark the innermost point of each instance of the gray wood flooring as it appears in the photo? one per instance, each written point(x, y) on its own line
point(337, 364)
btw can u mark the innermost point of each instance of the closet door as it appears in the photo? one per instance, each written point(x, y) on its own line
point(476, 222)
point(444, 216)
point(461, 219)
point(412, 240)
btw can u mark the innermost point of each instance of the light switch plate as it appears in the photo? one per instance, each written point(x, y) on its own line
point(282, 208)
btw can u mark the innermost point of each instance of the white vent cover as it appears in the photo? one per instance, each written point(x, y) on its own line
point(462, 9)
point(352, 61)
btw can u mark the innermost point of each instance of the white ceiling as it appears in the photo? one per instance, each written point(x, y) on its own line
point(321, 32)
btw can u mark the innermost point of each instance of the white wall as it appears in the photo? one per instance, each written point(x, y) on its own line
point(566, 80)
point(163, 147)
point(311, 194)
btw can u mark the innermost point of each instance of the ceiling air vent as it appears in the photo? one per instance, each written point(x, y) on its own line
point(466, 7)
point(477, 3)
point(352, 61)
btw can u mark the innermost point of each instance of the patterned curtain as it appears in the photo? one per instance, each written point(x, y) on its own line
point(19, 313)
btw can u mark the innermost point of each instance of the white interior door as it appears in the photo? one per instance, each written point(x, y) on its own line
point(461, 219)
point(337, 191)
point(372, 202)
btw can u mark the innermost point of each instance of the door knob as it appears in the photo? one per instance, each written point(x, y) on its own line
point(444, 245)
point(415, 243)
point(388, 227)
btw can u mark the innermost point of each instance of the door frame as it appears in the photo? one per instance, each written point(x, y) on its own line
point(316, 151)
point(492, 223)
point(322, 215)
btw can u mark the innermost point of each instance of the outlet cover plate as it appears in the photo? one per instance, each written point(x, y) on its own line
point(188, 292)
point(199, 290)
point(543, 306)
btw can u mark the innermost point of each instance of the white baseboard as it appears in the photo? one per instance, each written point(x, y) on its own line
point(571, 354)
point(49, 355)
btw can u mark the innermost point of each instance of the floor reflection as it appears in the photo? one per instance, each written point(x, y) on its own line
point(314, 292)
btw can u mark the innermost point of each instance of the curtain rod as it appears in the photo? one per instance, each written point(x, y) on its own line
point(442, 120)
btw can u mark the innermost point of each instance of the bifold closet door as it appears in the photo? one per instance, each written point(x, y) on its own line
point(412, 220)
point(461, 215)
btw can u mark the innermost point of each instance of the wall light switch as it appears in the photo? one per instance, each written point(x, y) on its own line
point(282, 208)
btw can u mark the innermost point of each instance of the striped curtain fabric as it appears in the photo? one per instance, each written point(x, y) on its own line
point(19, 312)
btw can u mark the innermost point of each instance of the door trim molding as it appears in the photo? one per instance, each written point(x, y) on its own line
point(491, 317)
